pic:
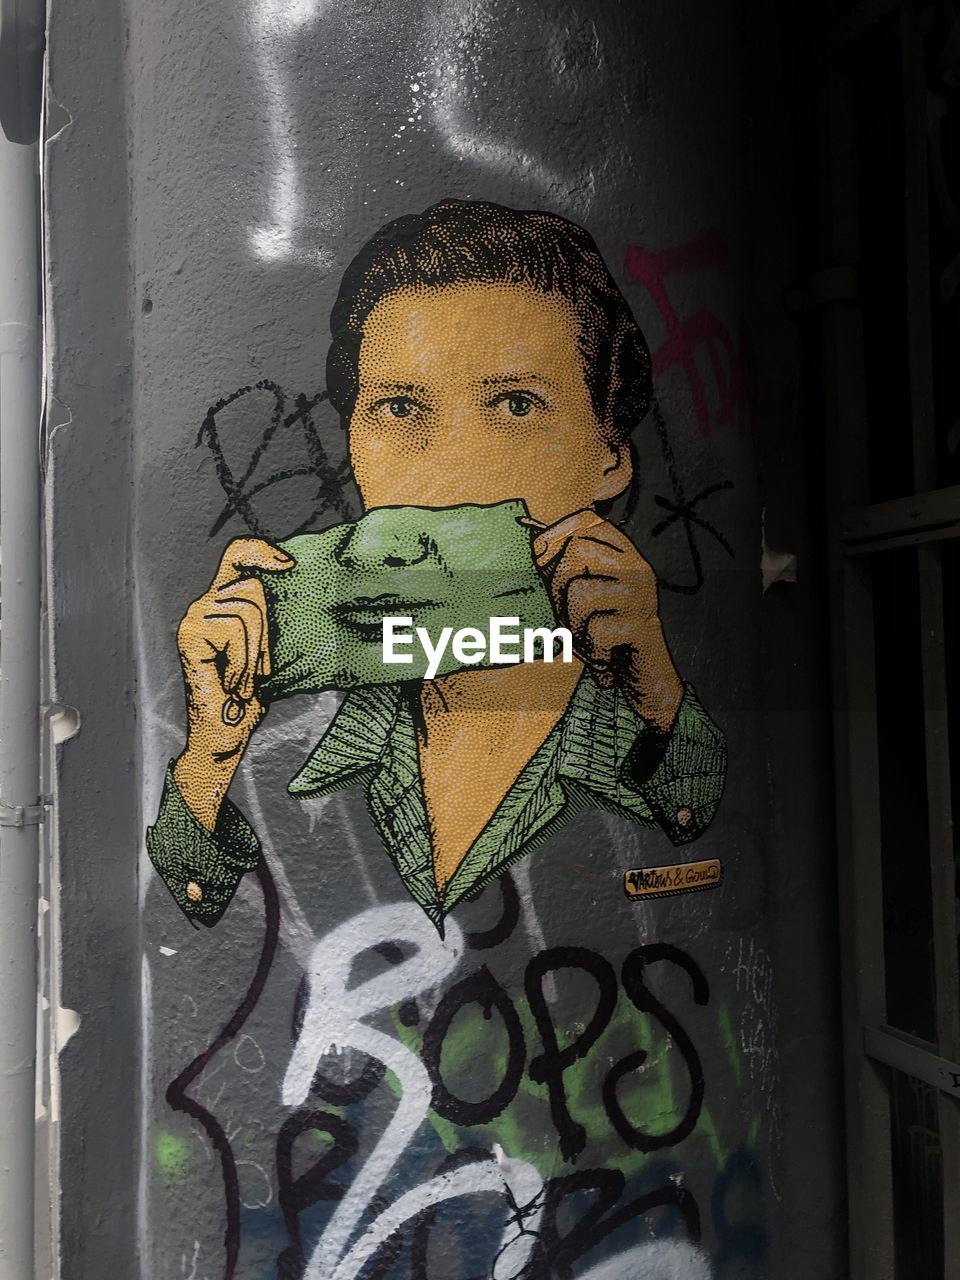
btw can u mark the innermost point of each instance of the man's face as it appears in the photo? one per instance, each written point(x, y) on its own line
point(476, 394)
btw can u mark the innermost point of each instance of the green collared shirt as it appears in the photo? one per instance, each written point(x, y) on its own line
point(600, 755)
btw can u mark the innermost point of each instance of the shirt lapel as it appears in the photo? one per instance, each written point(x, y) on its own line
point(350, 749)
point(525, 817)
point(373, 741)
point(397, 808)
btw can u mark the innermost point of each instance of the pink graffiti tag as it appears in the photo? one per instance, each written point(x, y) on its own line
point(685, 338)
point(701, 331)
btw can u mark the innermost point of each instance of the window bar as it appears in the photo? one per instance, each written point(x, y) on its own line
point(939, 797)
point(869, 1172)
point(870, 1179)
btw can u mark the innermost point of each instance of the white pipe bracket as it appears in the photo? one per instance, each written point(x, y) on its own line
point(23, 815)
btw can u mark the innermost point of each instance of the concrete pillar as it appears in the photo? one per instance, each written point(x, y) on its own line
point(581, 1077)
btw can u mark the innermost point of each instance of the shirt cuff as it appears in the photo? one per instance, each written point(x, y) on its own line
point(680, 774)
point(201, 868)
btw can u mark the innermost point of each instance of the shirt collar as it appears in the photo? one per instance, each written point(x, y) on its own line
point(598, 729)
point(372, 741)
point(354, 743)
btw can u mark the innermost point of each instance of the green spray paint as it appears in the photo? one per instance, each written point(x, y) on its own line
point(173, 1154)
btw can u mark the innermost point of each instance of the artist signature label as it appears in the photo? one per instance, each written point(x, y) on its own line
point(665, 882)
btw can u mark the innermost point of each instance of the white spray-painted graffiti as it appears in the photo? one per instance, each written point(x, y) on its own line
point(334, 1023)
point(274, 23)
point(467, 32)
point(376, 1205)
point(444, 95)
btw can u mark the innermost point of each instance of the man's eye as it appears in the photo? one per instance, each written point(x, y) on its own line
point(396, 407)
point(517, 404)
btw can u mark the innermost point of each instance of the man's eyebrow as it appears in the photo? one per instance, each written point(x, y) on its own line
point(397, 388)
point(514, 379)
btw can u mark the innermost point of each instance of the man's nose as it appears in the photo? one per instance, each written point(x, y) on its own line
point(378, 541)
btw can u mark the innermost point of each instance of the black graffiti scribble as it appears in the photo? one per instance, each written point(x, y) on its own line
point(332, 477)
point(549, 1066)
point(725, 382)
point(682, 509)
point(241, 490)
point(577, 1212)
point(597, 1218)
point(518, 1217)
point(632, 976)
point(480, 988)
point(424, 1222)
point(297, 1191)
point(484, 939)
point(179, 1099)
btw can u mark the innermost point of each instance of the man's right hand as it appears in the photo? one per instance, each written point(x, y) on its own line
point(224, 647)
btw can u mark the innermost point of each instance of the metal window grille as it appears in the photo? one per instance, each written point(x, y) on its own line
point(889, 353)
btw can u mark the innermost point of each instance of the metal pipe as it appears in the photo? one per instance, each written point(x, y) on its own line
point(20, 592)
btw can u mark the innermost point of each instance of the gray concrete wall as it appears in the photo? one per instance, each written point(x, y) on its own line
point(216, 167)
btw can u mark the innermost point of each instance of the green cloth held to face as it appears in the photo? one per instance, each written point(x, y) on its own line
point(453, 567)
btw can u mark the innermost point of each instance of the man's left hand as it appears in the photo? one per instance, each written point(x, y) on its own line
point(606, 593)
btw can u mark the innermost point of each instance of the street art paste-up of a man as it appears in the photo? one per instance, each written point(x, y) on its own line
point(489, 374)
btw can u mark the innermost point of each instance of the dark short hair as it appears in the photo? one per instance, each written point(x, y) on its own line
point(459, 242)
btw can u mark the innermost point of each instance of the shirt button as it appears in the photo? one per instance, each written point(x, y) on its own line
point(684, 817)
point(194, 892)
